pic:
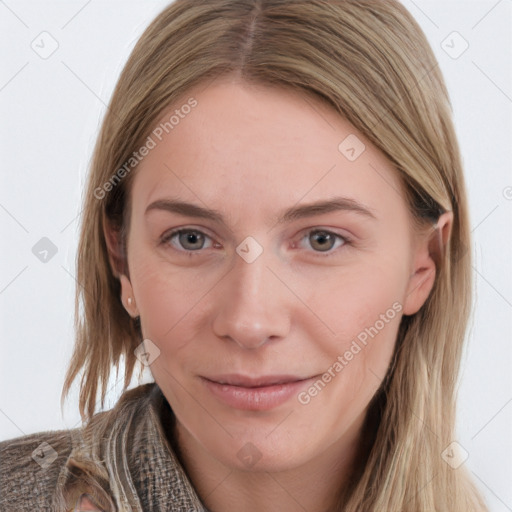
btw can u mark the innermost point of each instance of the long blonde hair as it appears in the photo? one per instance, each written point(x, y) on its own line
point(370, 61)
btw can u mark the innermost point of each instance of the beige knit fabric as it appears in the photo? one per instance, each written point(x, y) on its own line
point(121, 460)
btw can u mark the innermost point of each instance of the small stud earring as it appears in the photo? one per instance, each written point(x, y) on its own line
point(130, 301)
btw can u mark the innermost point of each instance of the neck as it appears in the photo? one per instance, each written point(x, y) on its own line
point(317, 486)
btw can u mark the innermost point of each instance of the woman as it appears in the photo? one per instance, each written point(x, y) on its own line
point(275, 223)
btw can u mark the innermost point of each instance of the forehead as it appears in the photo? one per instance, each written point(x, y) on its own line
point(246, 143)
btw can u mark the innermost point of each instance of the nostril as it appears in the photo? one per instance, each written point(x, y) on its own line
point(251, 343)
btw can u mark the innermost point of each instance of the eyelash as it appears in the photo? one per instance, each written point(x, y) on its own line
point(166, 238)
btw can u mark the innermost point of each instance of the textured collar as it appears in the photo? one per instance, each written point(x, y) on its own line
point(158, 475)
point(123, 459)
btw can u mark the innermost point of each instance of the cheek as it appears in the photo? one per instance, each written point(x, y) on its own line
point(168, 296)
point(355, 299)
point(360, 313)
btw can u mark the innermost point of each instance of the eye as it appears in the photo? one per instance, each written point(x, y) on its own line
point(323, 241)
point(189, 240)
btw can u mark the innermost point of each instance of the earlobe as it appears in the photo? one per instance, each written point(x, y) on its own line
point(427, 260)
point(127, 297)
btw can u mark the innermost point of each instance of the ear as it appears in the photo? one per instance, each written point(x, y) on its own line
point(429, 254)
point(114, 245)
point(118, 264)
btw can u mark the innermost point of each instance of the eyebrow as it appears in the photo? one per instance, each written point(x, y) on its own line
point(292, 214)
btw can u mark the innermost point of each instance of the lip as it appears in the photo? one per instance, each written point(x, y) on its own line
point(255, 393)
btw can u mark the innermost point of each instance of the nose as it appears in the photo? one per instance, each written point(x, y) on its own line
point(253, 307)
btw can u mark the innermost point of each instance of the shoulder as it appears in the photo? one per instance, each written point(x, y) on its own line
point(29, 469)
point(33, 467)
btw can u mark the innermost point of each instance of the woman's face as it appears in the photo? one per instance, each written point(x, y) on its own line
point(272, 316)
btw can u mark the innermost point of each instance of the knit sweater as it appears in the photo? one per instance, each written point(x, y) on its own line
point(133, 462)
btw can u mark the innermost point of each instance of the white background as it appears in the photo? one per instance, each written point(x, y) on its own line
point(51, 111)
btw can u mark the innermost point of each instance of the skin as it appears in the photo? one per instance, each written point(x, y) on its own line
point(250, 152)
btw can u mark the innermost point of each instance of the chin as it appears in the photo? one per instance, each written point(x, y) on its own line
point(259, 451)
